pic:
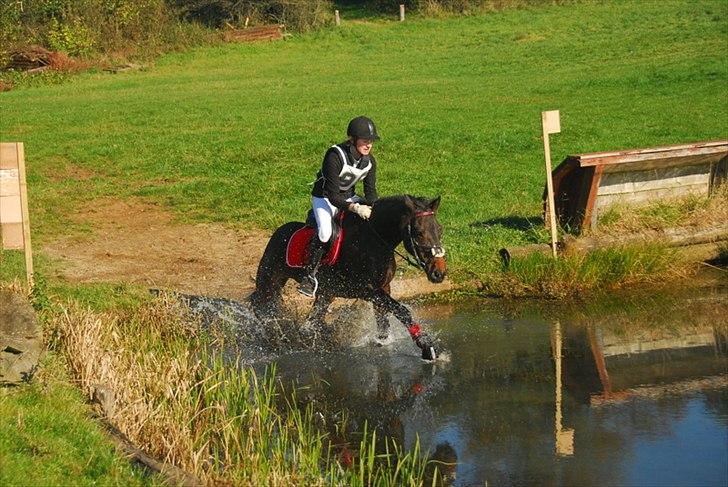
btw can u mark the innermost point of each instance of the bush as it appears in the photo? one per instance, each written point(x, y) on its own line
point(89, 27)
point(297, 15)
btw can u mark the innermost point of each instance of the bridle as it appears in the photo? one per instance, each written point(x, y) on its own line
point(436, 250)
point(418, 249)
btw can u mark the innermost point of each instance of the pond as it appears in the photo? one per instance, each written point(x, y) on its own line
point(632, 390)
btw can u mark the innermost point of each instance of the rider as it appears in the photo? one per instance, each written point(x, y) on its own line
point(344, 165)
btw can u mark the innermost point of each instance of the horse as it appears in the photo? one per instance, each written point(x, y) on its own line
point(365, 266)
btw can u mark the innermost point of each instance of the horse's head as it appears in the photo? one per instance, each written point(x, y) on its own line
point(422, 237)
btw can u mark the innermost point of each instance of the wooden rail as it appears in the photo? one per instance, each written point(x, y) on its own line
point(253, 34)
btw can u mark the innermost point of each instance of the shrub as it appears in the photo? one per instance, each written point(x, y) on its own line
point(297, 15)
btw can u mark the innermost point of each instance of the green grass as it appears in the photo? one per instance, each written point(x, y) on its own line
point(574, 274)
point(235, 133)
point(48, 438)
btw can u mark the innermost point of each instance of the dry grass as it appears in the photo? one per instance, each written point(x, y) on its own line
point(216, 420)
point(687, 211)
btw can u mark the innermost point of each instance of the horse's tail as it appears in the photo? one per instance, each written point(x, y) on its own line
point(273, 272)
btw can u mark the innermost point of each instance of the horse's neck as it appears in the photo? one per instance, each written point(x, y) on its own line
point(388, 228)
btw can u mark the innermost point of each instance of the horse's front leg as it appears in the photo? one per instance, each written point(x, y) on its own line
point(421, 339)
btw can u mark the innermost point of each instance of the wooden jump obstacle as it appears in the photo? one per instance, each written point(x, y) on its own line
point(585, 185)
point(251, 34)
point(14, 214)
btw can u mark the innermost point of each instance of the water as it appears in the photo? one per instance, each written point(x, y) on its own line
point(632, 390)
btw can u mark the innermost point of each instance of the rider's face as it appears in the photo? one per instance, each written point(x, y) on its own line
point(364, 146)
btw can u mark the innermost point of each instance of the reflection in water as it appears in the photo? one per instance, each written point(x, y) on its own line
point(630, 393)
point(564, 437)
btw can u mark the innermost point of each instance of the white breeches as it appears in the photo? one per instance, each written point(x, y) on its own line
point(325, 212)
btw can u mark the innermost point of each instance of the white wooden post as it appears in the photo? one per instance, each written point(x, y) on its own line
point(14, 215)
point(336, 16)
point(401, 12)
point(551, 124)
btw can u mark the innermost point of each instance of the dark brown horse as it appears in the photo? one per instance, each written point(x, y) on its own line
point(366, 263)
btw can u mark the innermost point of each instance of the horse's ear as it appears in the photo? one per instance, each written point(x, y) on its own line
point(409, 203)
point(434, 204)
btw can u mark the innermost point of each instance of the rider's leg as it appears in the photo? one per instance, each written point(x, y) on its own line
point(324, 213)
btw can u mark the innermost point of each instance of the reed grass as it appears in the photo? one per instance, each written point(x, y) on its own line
point(183, 403)
point(571, 275)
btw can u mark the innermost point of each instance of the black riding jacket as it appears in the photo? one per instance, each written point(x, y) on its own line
point(329, 185)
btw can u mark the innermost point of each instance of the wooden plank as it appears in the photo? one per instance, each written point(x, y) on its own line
point(644, 197)
point(12, 236)
point(627, 157)
point(591, 198)
point(8, 156)
point(10, 209)
point(672, 237)
point(265, 32)
point(9, 182)
point(26, 215)
point(617, 183)
point(696, 146)
point(667, 162)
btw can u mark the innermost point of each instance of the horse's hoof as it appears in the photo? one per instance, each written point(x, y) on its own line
point(429, 353)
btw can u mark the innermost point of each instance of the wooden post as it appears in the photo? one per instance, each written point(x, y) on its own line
point(401, 12)
point(551, 124)
point(14, 215)
point(247, 20)
point(336, 16)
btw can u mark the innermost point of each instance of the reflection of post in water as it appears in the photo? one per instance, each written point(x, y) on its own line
point(564, 437)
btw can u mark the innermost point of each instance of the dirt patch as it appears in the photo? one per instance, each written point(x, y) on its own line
point(138, 242)
point(134, 241)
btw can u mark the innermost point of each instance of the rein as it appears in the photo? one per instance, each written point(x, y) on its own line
point(436, 251)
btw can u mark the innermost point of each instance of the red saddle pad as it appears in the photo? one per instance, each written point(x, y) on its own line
point(297, 250)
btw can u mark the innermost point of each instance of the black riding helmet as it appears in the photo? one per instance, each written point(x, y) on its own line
point(362, 128)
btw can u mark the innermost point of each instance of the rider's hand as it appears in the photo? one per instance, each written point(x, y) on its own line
point(363, 211)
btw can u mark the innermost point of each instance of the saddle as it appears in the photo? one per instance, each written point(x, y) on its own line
point(297, 249)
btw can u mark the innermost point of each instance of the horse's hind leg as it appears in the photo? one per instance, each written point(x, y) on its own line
point(381, 315)
point(267, 298)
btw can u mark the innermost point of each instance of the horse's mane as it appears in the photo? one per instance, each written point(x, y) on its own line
point(397, 204)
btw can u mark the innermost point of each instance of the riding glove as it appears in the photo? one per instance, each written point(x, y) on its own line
point(363, 211)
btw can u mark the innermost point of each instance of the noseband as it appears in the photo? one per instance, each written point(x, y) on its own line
point(434, 250)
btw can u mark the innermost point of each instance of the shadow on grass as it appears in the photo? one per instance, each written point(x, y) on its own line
point(532, 227)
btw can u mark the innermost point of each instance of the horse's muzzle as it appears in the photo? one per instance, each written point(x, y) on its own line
point(436, 270)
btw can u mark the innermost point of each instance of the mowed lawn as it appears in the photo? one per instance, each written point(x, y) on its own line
point(235, 133)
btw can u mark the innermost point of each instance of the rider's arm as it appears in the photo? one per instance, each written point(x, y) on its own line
point(370, 183)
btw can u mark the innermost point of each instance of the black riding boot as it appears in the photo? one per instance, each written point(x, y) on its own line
point(309, 283)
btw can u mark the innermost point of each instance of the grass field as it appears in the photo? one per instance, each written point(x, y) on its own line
point(234, 133)
point(47, 438)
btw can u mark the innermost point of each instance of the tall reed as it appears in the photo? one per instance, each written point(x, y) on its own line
point(182, 402)
point(538, 275)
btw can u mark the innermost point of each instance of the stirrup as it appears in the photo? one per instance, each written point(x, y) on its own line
point(308, 286)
